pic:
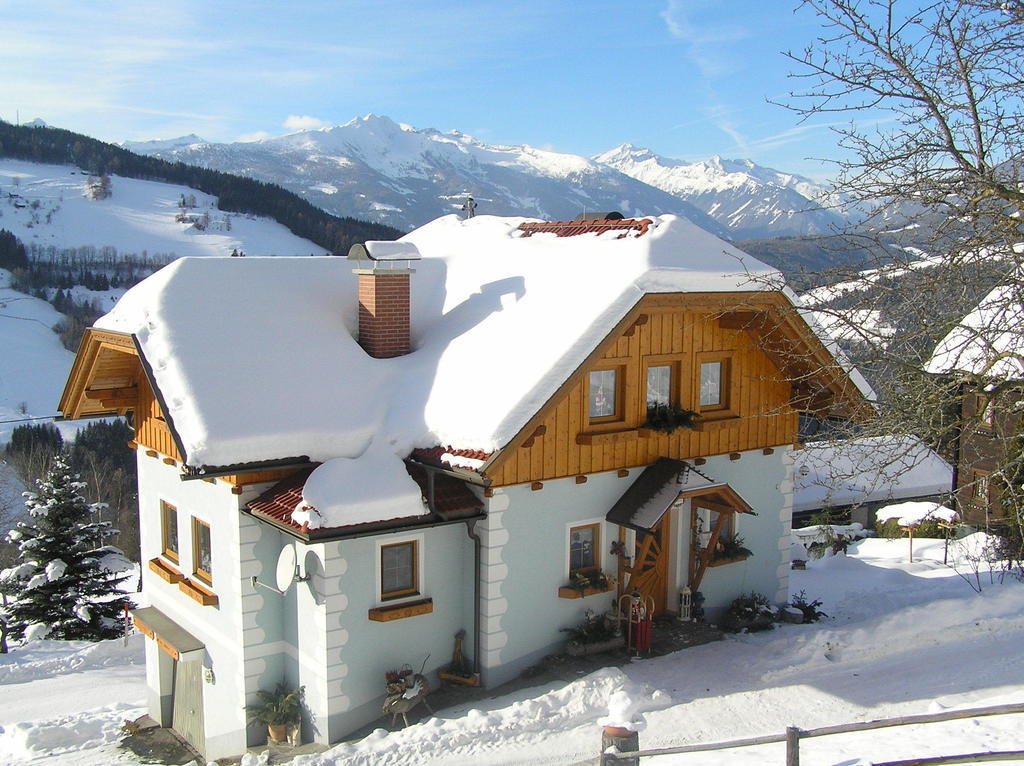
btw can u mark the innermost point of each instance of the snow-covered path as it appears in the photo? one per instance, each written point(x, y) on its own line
point(904, 638)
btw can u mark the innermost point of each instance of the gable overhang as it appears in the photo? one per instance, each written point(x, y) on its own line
point(822, 380)
point(666, 484)
point(105, 377)
point(821, 383)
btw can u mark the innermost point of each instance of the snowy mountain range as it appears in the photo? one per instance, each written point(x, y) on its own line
point(752, 201)
point(374, 168)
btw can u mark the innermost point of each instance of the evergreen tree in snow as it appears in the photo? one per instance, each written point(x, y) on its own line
point(66, 580)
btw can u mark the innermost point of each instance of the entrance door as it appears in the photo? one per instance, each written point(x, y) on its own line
point(649, 571)
point(187, 718)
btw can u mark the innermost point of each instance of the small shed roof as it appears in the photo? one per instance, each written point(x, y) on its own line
point(663, 484)
point(838, 473)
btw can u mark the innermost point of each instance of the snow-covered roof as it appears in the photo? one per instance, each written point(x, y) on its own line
point(988, 341)
point(868, 469)
point(911, 514)
point(256, 357)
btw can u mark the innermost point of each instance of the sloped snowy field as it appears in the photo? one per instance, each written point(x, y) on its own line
point(46, 205)
point(904, 638)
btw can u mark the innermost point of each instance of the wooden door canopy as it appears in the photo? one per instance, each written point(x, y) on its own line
point(170, 637)
point(663, 484)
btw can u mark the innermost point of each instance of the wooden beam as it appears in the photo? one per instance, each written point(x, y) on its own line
point(112, 393)
point(743, 320)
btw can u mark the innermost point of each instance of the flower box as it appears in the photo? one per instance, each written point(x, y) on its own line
point(567, 591)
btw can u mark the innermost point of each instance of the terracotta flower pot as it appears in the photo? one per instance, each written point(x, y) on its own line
point(618, 731)
point(277, 732)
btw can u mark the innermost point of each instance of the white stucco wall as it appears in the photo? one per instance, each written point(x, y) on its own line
point(526, 548)
point(319, 634)
point(219, 627)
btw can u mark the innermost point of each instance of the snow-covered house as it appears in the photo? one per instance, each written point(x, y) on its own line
point(442, 432)
point(986, 352)
point(853, 478)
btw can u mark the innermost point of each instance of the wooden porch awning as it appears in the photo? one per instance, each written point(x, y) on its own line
point(169, 635)
point(662, 485)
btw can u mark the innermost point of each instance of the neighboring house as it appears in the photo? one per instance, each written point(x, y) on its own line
point(852, 478)
point(986, 353)
point(447, 462)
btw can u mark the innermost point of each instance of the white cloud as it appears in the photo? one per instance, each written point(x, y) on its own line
point(305, 122)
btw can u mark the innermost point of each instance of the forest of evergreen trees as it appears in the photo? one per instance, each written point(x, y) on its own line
point(12, 252)
point(234, 193)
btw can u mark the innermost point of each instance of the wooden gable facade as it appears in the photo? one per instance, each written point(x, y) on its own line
point(771, 363)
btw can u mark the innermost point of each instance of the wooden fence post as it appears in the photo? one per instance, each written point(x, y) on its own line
point(625, 740)
point(792, 746)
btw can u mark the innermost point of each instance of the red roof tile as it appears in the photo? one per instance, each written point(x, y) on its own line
point(573, 228)
point(452, 499)
point(435, 454)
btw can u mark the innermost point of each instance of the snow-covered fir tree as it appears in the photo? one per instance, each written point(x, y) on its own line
point(66, 580)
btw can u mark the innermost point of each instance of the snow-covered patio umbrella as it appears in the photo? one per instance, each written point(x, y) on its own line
point(911, 515)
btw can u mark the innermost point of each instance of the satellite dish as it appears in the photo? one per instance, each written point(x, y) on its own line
point(285, 573)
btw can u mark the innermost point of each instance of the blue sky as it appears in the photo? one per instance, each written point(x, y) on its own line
point(685, 78)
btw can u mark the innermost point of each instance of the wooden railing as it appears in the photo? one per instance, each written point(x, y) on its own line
point(793, 735)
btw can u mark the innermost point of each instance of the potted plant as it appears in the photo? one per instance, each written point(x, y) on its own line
point(597, 633)
point(278, 709)
point(749, 612)
point(731, 548)
point(666, 418)
point(591, 579)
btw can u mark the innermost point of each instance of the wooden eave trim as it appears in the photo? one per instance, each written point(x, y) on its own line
point(783, 317)
point(646, 304)
point(84, 367)
point(147, 370)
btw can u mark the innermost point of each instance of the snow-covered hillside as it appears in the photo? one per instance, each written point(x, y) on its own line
point(750, 200)
point(902, 638)
point(376, 169)
point(35, 364)
point(47, 205)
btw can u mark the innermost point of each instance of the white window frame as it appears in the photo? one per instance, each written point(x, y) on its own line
point(421, 582)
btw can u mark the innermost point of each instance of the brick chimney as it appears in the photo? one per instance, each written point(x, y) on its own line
point(383, 270)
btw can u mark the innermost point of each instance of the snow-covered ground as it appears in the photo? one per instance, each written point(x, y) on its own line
point(903, 638)
point(46, 205)
point(34, 363)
